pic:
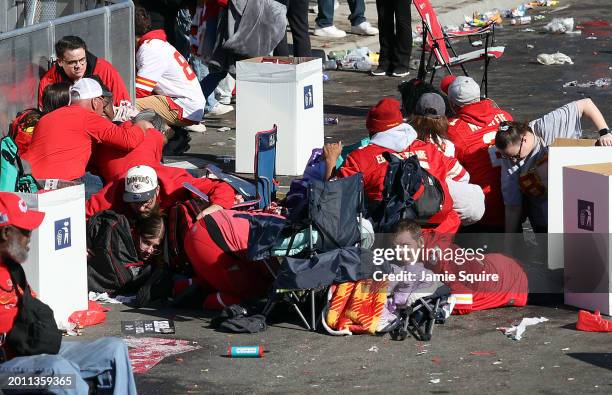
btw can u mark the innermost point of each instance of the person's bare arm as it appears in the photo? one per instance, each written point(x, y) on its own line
point(331, 152)
point(588, 109)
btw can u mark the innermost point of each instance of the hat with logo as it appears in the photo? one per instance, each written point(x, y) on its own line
point(430, 105)
point(140, 184)
point(87, 88)
point(14, 211)
point(464, 90)
point(384, 116)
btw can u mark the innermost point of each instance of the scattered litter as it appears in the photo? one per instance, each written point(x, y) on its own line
point(218, 144)
point(515, 332)
point(560, 25)
point(434, 381)
point(203, 370)
point(538, 17)
point(422, 352)
point(523, 20)
point(497, 363)
point(565, 7)
point(482, 353)
point(477, 43)
point(565, 349)
point(373, 349)
point(141, 327)
point(546, 342)
point(102, 298)
point(556, 58)
point(530, 46)
point(146, 352)
point(599, 83)
point(591, 38)
point(556, 366)
point(224, 129)
point(325, 77)
point(280, 376)
point(330, 121)
point(528, 30)
point(570, 379)
point(178, 359)
point(331, 64)
point(232, 138)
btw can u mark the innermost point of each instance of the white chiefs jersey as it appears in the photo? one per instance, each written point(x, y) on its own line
point(162, 70)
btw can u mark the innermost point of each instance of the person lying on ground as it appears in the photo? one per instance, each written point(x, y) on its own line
point(524, 149)
point(62, 145)
point(472, 130)
point(102, 364)
point(146, 189)
point(478, 281)
point(430, 123)
point(389, 133)
point(74, 62)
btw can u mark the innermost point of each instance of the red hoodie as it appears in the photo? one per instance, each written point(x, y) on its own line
point(171, 181)
point(473, 133)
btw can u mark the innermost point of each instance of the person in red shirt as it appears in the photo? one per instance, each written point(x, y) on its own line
point(389, 134)
point(62, 144)
point(74, 62)
point(147, 189)
point(472, 131)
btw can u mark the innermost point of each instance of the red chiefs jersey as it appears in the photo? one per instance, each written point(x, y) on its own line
point(473, 133)
point(369, 161)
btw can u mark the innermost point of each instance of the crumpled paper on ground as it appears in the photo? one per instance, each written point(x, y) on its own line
point(560, 25)
point(555, 58)
point(104, 298)
point(515, 332)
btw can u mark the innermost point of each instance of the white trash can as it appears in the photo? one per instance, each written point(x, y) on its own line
point(57, 263)
point(288, 94)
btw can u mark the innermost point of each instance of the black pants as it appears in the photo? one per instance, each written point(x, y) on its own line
point(297, 15)
point(395, 35)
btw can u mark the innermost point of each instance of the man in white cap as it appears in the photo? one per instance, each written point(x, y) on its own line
point(472, 131)
point(148, 189)
point(62, 144)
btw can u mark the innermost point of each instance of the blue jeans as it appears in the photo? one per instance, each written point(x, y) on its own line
point(201, 71)
point(106, 360)
point(325, 18)
point(210, 82)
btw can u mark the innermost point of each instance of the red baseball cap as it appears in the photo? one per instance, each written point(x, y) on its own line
point(384, 116)
point(446, 81)
point(14, 211)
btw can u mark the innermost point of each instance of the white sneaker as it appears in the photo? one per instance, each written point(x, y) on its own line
point(221, 109)
point(196, 128)
point(330, 31)
point(364, 28)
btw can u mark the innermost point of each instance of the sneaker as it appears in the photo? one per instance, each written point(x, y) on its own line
point(221, 109)
point(365, 29)
point(380, 71)
point(196, 128)
point(227, 101)
point(330, 31)
point(400, 72)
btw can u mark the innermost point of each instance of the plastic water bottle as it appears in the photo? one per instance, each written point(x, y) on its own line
point(330, 65)
point(523, 20)
point(362, 65)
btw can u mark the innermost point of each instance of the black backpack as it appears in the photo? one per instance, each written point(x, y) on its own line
point(34, 330)
point(403, 180)
point(111, 250)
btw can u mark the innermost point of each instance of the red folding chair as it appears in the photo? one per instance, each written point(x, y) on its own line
point(437, 43)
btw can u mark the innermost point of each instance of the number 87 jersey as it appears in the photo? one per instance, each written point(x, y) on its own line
point(162, 70)
point(473, 133)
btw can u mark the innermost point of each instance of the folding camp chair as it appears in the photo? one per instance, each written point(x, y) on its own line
point(260, 194)
point(437, 43)
point(335, 210)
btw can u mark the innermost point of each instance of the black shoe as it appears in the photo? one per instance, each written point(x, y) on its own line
point(400, 72)
point(380, 71)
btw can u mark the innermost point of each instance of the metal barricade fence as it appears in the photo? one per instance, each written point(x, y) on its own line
point(27, 52)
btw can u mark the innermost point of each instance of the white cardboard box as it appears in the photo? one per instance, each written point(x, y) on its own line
point(288, 95)
point(566, 152)
point(57, 263)
point(587, 226)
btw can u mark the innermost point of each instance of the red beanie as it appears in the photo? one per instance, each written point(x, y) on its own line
point(445, 83)
point(384, 116)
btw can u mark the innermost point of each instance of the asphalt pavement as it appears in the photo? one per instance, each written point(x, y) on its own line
point(467, 354)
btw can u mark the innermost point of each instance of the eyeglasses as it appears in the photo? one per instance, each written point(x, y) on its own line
point(505, 126)
point(72, 63)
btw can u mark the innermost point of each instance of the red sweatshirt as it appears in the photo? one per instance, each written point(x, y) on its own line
point(473, 133)
point(369, 161)
point(95, 66)
point(62, 142)
point(111, 163)
point(171, 181)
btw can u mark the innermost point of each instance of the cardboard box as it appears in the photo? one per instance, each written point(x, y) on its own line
point(587, 226)
point(566, 152)
point(57, 263)
point(288, 95)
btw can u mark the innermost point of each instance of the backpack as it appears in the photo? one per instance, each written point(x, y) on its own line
point(21, 128)
point(12, 176)
point(181, 217)
point(111, 253)
point(410, 192)
point(34, 330)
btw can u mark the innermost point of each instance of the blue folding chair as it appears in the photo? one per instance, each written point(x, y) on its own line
point(261, 194)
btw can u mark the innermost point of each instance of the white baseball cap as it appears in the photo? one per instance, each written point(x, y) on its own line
point(463, 91)
point(140, 184)
point(86, 88)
